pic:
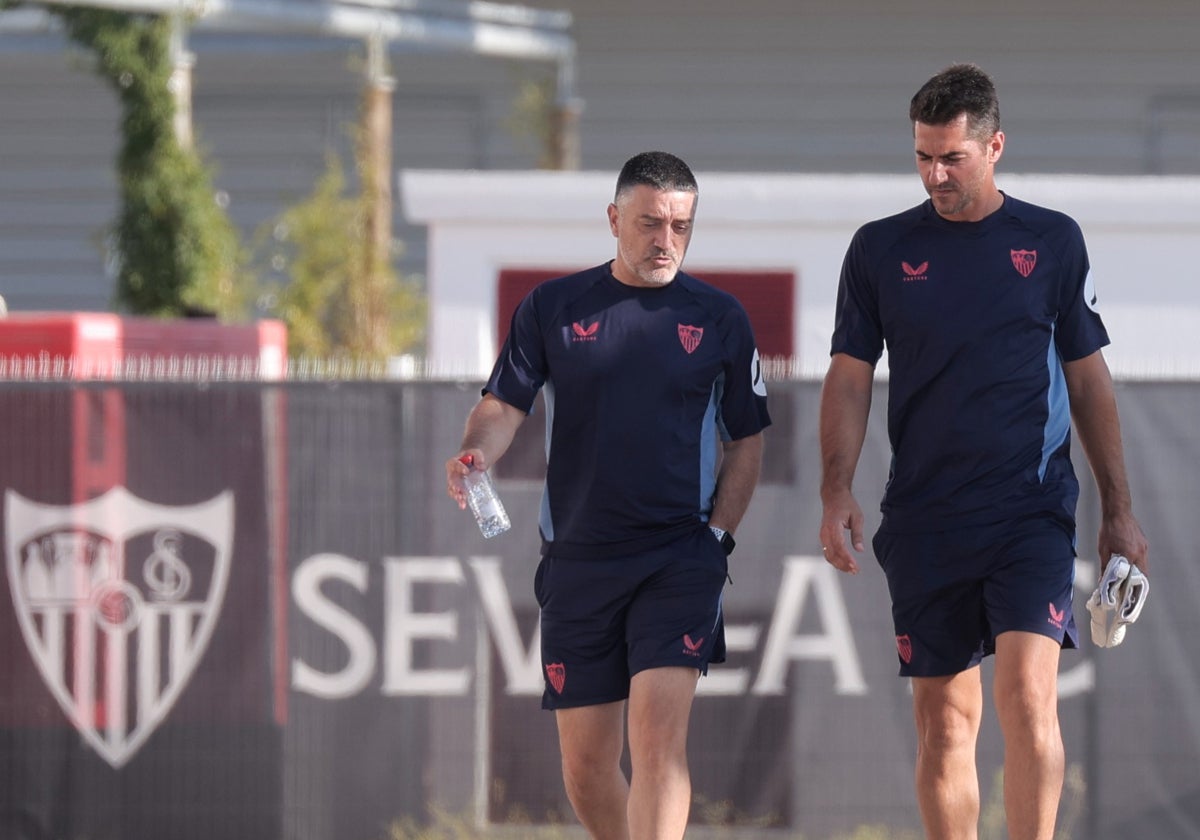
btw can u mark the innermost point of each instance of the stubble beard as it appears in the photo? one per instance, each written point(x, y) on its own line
point(963, 195)
point(961, 198)
point(648, 274)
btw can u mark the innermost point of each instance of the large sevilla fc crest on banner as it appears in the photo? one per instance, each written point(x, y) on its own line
point(117, 599)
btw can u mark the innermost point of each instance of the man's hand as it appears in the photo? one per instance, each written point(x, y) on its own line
point(457, 470)
point(1122, 535)
point(841, 513)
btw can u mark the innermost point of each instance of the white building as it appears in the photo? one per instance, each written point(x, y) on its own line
point(1141, 233)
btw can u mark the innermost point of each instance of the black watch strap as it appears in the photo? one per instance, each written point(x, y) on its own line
point(726, 539)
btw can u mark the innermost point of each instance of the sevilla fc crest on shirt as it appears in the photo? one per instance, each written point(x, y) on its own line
point(1024, 261)
point(690, 336)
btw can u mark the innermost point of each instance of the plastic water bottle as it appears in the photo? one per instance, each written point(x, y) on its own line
point(484, 502)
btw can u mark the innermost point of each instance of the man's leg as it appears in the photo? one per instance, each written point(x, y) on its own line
point(660, 703)
point(592, 739)
point(948, 711)
point(1026, 697)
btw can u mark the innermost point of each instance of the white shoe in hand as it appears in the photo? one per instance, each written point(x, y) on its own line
point(1117, 601)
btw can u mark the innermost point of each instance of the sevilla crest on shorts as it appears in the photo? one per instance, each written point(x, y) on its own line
point(690, 336)
point(556, 675)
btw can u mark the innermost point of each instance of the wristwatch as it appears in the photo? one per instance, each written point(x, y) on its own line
point(724, 537)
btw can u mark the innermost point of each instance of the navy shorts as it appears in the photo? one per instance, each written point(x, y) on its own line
point(605, 620)
point(954, 592)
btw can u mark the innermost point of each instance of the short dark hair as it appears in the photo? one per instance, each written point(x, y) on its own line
point(660, 170)
point(959, 89)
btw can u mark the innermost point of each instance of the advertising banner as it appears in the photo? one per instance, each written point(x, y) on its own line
point(247, 610)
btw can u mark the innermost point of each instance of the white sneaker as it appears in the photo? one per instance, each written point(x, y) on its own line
point(1117, 601)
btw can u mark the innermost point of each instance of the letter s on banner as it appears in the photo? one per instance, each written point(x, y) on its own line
point(306, 591)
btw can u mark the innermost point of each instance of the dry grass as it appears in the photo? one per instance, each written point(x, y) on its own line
point(719, 821)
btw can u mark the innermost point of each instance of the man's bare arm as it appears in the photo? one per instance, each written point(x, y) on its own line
point(741, 465)
point(845, 406)
point(1094, 410)
point(491, 426)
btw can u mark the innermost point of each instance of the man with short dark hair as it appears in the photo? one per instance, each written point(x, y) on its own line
point(987, 310)
point(655, 407)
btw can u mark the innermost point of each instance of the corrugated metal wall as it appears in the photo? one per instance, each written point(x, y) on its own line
point(1086, 86)
point(265, 112)
point(58, 140)
point(815, 86)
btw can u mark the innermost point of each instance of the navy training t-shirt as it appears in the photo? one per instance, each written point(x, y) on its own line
point(977, 318)
point(641, 385)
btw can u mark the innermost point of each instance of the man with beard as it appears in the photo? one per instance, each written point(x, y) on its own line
point(986, 307)
point(655, 406)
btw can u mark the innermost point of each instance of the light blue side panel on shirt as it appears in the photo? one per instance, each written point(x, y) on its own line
point(708, 445)
point(1058, 422)
point(544, 520)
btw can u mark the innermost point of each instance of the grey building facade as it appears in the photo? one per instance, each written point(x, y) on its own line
point(1087, 86)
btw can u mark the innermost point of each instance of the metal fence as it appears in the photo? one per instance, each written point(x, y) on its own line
point(246, 609)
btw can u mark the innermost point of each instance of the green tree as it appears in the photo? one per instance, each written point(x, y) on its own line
point(318, 249)
point(531, 119)
point(176, 249)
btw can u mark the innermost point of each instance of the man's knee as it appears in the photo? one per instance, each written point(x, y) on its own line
point(1031, 725)
point(1028, 706)
point(947, 720)
point(949, 731)
point(586, 765)
point(581, 770)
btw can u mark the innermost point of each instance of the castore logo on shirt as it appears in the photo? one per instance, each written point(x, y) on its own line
point(911, 274)
point(583, 333)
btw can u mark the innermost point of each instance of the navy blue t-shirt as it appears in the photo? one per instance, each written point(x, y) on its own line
point(641, 385)
point(977, 318)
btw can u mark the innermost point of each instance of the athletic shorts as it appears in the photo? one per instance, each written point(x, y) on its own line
point(954, 592)
point(605, 620)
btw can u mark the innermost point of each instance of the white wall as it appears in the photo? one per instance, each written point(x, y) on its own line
point(1142, 234)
